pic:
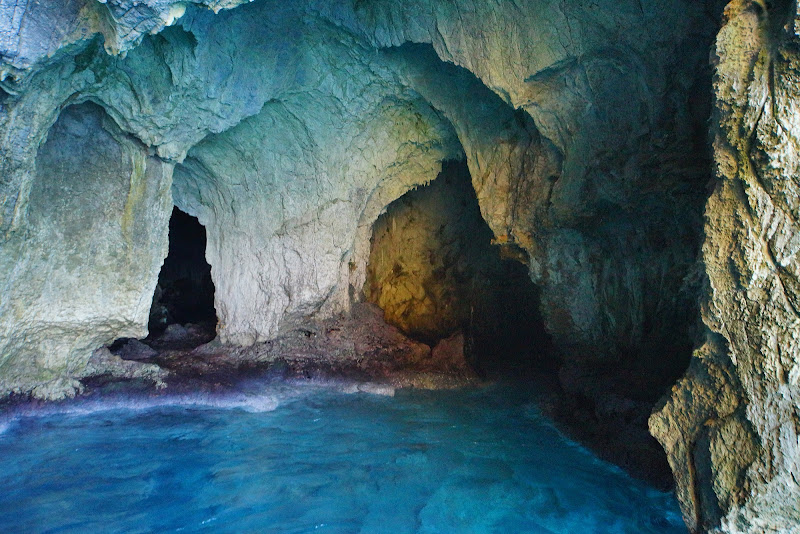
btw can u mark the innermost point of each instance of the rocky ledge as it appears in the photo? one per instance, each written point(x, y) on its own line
point(357, 348)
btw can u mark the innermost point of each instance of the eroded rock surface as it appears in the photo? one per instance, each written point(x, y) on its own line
point(433, 271)
point(358, 348)
point(288, 128)
point(82, 271)
point(293, 127)
point(731, 425)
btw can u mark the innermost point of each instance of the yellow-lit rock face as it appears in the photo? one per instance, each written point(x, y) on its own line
point(437, 273)
point(431, 257)
point(742, 391)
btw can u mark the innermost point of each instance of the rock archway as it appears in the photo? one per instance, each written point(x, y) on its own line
point(292, 126)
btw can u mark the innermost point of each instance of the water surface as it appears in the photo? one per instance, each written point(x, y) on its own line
point(313, 459)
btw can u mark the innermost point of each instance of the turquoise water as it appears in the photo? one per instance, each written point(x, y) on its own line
point(290, 459)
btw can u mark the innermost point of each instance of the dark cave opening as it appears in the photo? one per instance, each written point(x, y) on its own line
point(435, 273)
point(183, 302)
point(182, 314)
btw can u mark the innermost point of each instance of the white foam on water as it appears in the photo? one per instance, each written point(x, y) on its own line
point(377, 389)
point(250, 403)
point(253, 397)
point(347, 387)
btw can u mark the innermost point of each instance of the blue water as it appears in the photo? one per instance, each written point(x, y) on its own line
point(313, 459)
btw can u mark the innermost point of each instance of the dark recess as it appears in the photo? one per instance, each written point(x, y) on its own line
point(185, 292)
point(483, 290)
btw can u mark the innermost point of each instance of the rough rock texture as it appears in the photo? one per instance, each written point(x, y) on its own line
point(426, 254)
point(357, 347)
point(294, 126)
point(433, 271)
point(82, 272)
point(611, 234)
point(31, 31)
point(731, 426)
point(287, 128)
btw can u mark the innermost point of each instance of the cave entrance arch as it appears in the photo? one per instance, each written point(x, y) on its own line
point(434, 272)
point(183, 303)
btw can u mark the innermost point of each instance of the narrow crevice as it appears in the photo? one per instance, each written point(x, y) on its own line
point(183, 303)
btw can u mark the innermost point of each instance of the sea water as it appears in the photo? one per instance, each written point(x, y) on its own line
point(294, 459)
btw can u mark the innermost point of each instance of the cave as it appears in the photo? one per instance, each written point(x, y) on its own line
point(435, 273)
point(184, 294)
point(450, 227)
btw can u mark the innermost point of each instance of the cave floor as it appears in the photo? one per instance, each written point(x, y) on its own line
point(359, 347)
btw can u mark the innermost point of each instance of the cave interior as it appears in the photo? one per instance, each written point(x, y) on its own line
point(594, 200)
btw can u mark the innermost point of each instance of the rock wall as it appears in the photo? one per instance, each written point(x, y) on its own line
point(591, 187)
point(427, 253)
point(731, 425)
point(82, 271)
point(434, 272)
point(290, 128)
point(293, 127)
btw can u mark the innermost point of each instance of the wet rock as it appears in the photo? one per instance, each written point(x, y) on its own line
point(104, 363)
point(186, 337)
point(360, 352)
point(377, 389)
point(449, 353)
point(278, 370)
point(133, 349)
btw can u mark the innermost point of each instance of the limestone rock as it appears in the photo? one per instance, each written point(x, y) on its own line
point(82, 273)
point(298, 134)
point(742, 394)
point(134, 349)
point(430, 254)
point(33, 31)
point(104, 363)
point(290, 127)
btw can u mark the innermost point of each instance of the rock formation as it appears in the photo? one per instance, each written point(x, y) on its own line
point(286, 131)
point(730, 426)
point(288, 128)
point(433, 271)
